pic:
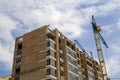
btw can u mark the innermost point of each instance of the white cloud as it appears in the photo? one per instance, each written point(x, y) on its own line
point(6, 26)
point(108, 7)
point(6, 40)
point(111, 29)
point(116, 47)
point(41, 13)
point(6, 58)
point(101, 10)
point(118, 23)
point(60, 13)
point(108, 29)
point(113, 65)
point(88, 2)
point(66, 23)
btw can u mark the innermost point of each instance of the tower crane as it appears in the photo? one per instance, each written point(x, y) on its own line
point(98, 39)
point(79, 45)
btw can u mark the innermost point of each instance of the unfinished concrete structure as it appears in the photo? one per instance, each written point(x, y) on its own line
point(45, 54)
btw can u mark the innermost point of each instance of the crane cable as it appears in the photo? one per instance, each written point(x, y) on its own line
point(110, 73)
point(107, 56)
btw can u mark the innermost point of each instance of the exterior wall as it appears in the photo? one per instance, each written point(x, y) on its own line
point(31, 56)
point(49, 55)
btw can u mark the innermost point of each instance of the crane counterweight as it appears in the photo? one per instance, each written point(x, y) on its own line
point(98, 28)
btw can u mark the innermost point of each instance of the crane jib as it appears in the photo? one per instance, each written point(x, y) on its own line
point(102, 39)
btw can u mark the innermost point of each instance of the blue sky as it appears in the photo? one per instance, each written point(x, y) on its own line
point(72, 17)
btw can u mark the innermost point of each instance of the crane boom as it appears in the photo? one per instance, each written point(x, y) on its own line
point(79, 45)
point(91, 55)
point(98, 38)
point(103, 40)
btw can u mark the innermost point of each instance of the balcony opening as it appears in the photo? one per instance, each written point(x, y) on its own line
point(19, 54)
point(20, 46)
point(48, 61)
point(17, 71)
point(51, 44)
point(51, 36)
point(48, 44)
point(51, 62)
point(51, 53)
point(48, 72)
point(18, 62)
point(17, 78)
point(51, 71)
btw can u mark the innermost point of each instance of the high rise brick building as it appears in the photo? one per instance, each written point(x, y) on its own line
point(45, 54)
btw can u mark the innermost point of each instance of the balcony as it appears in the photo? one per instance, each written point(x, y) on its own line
point(61, 60)
point(71, 52)
point(50, 43)
point(61, 68)
point(51, 62)
point(51, 54)
point(61, 51)
point(51, 73)
point(61, 78)
point(19, 54)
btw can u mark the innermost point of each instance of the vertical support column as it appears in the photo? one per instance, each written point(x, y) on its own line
point(85, 67)
point(65, 59)
point(13, 68)
point(57, 55)
point(95, 70)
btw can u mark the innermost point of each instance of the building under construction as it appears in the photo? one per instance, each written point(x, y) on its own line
point(45, 54)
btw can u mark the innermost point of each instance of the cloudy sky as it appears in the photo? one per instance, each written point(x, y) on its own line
point(72, 17)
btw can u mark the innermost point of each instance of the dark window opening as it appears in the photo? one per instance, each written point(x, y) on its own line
point(78, 55)
point(19, 54)
point(48, 52)
point(54, 46)
point(62, 74)
point(59, 41)
point(51, 44)
point(48, 44)
point(78, 62)
point(18, 61)
point(51, 72)
point(17, 70)
point(20, 46)
point(51, 62)
point(71, 60)
point(61, 64)
point(48, 62)
point(16, 78)
point(48, 72)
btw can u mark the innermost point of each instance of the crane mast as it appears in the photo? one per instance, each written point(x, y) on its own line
point(98, 38)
